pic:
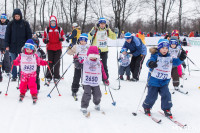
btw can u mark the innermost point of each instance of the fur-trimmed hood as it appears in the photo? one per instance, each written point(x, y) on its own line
point(153, 50)
point(23, 50)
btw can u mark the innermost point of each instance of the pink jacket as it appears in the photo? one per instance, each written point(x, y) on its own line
point(40, 62)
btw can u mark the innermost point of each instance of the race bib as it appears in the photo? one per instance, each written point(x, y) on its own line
point(82, 52)
point(102, 39)
point(125, 61)
point(163, 70)
point(28, 63)
point(174, 52)
point(92, 73)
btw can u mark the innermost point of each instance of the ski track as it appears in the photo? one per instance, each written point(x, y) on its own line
point(61, 114)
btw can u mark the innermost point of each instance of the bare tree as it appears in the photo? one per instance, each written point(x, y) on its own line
point(171, 3)
point(24, 4)
point(52, 7)
point(180, 16)
point(35, 9)
point(73, 9)
point(5, 5)
point(85, 14)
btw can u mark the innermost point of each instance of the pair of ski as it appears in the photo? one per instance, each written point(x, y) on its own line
point(21, 100)
point(159, 120)
point(87, 115)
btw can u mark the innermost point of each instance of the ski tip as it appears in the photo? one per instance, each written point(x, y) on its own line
point(186, 92)
point(59, 95)
point(6, 94)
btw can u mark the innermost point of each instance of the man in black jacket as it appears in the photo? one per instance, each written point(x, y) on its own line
point(17, 32)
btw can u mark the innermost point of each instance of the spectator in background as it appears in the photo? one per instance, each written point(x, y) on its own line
point(122, 35)
point(167, 36)
point(151, 34)
point(196, 34)
point(74, 36)
point(141, 35)
point(191, 33)
point(18, 31)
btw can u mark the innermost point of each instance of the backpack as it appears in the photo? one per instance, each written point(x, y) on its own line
point(58, 30)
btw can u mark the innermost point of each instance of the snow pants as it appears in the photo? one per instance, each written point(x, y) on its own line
point(76, 80)
point(104, 57)
point(136, 66)
point(123, 69)
point(38, 78)
point(88, 91)
point(30, 81)
point(152, 96)
point(175, 77)
point(53, 57)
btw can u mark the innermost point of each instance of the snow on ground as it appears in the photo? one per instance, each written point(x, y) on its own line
point(61, 114)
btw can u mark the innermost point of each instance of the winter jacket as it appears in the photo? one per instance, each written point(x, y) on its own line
point(141, 36)
point(74, 35)
point(17, 33)
point(3, 29)
point(154, 55)
point(136, 47)
point(53, 36)
point(111, 35)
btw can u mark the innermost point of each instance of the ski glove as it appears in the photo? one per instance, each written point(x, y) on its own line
point(106, 82)
point(46, 41)
point(61, 39)
point(67, 40)
point(77, 64)
point(70, 46)
point(92, 32)
point(116, 30)
point(152, 64)
point(183, 55)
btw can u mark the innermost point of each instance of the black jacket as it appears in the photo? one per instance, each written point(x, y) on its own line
point(74, 33)
point(17, 32)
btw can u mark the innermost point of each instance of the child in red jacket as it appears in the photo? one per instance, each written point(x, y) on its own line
point(28, 61)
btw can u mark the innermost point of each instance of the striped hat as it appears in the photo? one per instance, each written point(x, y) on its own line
point(102, 20)
point(127, 35)
point(29, 44)
point(83, 37)
point(3, 16)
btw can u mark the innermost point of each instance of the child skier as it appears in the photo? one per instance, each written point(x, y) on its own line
point(28, 62)
point(40, 53)
point(93, 71)
point(160, 64)
point(80, 51)
point(124, 60)
point(174, 51)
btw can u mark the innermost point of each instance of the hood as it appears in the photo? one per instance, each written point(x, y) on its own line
point(17, 12)
point(93, 52)
point(23, 50)
point(53, 17)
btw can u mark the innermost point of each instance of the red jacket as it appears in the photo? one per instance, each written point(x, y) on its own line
point(53, 37)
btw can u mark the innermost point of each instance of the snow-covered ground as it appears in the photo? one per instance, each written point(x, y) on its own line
point(61, 114)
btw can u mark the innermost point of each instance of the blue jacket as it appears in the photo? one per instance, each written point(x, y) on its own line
point(160, 82)
point(17, 33)
point(136, 47)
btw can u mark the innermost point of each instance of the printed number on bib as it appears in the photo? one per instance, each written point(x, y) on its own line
point(29, 68)
point(92, 78)
point(161, 75)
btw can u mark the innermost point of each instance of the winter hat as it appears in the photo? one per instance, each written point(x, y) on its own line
point(127, 35)
point(29, 44)
point(83, 37)
point(102, 20)
point(93, 52)
point(53, 20)
point(123, 50)
point(74, 24)
point(3, 16)
point(163, 43)
point(173, 40)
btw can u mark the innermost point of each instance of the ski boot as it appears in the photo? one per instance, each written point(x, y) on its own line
point(128, 78)
point(147, 112)
point(168, 114)
point(34, 97)
point(21, 97)
point(121, 77)
point(97, 107)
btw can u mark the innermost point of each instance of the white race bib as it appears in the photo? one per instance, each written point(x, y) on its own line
point(92, 74)
point(174, 52)
point(82, 50)
point(125, 61)
point(163, 70)
point(28, 63)
point(102, 39)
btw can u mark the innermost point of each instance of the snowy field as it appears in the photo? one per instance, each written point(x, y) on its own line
point(61, 114)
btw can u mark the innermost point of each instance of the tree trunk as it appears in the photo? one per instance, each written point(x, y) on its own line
point(85, 14)
point(156, 16)
point(163, 15)
point(180, 17)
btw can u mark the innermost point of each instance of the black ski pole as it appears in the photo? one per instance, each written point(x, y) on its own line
point(49, 95)
point(8, 82)
point(113, 103)
point(192, 62)
point(135, 113)
point(54, 80)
